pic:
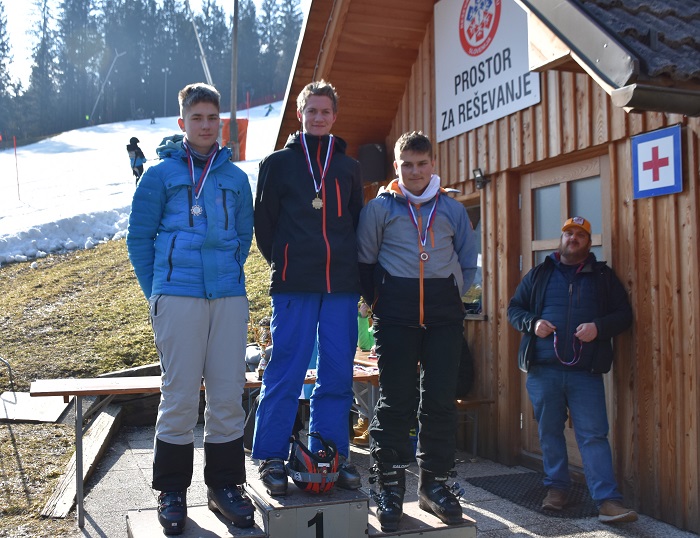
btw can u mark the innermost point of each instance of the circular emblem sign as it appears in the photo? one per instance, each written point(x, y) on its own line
point(478, 23)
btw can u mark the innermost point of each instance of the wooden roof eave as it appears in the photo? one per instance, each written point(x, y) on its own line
point(359, 46)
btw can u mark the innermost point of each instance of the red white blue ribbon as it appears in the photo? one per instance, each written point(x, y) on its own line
point(329, 154)
point(198, 185)
point(422, 237)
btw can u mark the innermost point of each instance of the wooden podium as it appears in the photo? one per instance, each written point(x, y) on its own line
point(337, 514)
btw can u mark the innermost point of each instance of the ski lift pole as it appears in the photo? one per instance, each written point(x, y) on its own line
point(118, 55)
point(203, 58)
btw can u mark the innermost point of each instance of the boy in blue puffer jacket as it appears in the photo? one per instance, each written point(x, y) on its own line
point(190, 230)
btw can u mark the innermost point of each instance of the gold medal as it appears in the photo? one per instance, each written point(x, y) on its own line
point(317, 203)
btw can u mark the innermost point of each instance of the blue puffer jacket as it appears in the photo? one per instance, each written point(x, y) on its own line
point(177, 253)
point(590, 293)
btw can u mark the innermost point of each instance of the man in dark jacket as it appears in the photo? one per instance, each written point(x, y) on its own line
point(307, 206)
point(569, 307)
point(136, 158)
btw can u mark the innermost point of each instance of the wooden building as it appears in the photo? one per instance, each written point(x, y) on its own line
point(609, 70)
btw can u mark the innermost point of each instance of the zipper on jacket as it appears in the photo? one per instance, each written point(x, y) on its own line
point(286, 261)
point(189, 200)
point(339, 198)
point(568, 320)
point(238, 261)
point(170, 257)
point(421, 272)
point(325, 240)
point(225, 209)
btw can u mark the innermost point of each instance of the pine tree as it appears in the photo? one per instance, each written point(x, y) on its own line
point(269, 46)
point(215, 36)
point(79, 49)
point(249, 72)
point(73, 55)
point(125, 29)
point(38, 102)
point(5, 56)
point(5, 59)
point(177, 52)
point(290, 19)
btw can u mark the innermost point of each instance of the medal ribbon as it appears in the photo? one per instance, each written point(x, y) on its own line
point(327, 164)
point(422, 237)
point(577, 353)
point(198, 185)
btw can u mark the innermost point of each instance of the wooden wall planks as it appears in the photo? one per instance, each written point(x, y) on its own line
point(654, 246)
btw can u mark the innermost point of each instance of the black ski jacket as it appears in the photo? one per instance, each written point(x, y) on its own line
point(308, 249)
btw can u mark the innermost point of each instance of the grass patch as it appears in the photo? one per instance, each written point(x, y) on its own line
point(83, 314)
point(78, 314)
point(32, 458)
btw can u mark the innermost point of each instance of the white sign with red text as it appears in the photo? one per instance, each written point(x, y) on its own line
point(481, 64)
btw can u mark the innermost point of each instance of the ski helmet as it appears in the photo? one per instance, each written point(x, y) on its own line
point(315, 472)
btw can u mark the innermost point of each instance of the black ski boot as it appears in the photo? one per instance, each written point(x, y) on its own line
point(391, 478)
point(436, 497)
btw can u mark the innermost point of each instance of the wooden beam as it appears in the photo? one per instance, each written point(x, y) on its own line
point(329, 42)
point(95, 442)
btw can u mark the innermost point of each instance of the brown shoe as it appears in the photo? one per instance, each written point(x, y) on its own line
point(614, 512)
point(361, 426)
point(555, 500)
point(361, 440)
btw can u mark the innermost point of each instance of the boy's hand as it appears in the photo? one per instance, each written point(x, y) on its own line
point(364, 310)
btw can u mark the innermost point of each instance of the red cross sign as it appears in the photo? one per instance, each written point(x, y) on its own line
point(656, 162)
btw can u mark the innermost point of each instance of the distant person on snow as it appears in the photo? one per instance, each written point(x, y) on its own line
point(190, 231)
point(136, 158)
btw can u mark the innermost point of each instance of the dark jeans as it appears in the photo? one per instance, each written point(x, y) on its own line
point(411, 357)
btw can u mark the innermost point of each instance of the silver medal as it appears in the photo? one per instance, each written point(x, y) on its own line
point(196, 210)
point(317, 203)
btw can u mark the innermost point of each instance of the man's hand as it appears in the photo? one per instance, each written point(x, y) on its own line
point(586, 332)
point(544, 328)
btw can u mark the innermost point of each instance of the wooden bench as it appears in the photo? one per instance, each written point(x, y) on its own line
point(112, 386)
point(468, 411)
